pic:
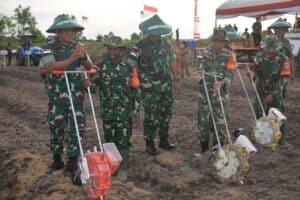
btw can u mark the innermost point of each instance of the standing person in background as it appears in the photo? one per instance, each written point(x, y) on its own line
point(9, 52)
point(245, 35)
point(256, 31)
point(235, 28)
point(65, 55)
point(182, 58)
point(297, 23)
point(177, 34)
point(157, 61)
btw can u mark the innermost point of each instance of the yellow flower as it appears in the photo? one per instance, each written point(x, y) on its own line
point(243, 152)
point(272, 146)
point(245, 167)
point(277, 135)
point(241, 179)
point(275, 122)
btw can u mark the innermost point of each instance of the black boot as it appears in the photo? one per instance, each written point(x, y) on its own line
point(122, 172)
point(56, 165)
point(150, 148)
point(282, 130)
point(165, 144)
point(204, 145)
point(73, 168)
point(237, 132)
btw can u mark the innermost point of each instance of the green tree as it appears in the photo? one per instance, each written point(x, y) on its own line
point(2, 24)
point(99, 38)
point(7, 27)
point(24, 19)
point(135, 37)
point(107, 36)
point(26, 23)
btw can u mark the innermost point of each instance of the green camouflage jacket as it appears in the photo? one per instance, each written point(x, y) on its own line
point(55, 84)
point(286, 47)
point(268, 69)
point(154, 69)
point(118, 99)
point(214, 63)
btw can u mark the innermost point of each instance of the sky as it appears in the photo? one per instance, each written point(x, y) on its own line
point(123, 16)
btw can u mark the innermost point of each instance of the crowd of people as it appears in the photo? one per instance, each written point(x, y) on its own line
point(154, 60)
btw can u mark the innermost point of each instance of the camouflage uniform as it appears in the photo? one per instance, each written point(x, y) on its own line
point(60, 118)
point(286, 48)
point(287, 51)
point(119, 101)
point(213, 63)
point(268, 79)
point(156, 86)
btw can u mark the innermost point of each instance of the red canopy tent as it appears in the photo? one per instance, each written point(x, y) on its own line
point(254, 8)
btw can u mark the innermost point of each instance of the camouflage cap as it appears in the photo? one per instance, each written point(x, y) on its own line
point(115, 41)
point(155, 26)
point(270, 43)
point(280, 23)
point(64, 22)
point(219, 35)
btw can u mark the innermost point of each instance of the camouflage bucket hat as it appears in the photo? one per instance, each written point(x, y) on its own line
point(280, 23)
point(219, 35)
point(64, 22)
point(270, 43)
point(155, 26)
point(115, 41)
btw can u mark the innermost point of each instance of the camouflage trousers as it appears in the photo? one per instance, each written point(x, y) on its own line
point(158, 114)
point(284, 87)
point(61, 123)
point(118, 132)
point(277, 102)
point(205, 130)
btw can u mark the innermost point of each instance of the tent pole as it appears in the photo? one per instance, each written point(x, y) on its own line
point(215, 22)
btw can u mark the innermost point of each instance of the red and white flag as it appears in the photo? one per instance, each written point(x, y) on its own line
point(148, 10)
point(84, 19)
point(196, 22)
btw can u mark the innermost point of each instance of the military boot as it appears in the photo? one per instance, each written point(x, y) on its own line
point(73, 168)
point(204, 145)
point(150, 148)
point(122, 172)
point(165, 144)
point(56, 165)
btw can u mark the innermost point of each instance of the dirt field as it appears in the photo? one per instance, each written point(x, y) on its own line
point(24, 151)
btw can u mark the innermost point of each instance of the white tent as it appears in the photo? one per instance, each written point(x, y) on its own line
point(254, 8)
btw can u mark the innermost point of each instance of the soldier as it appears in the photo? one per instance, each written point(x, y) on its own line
point(266, 74)
point(213, 61)
point(256, 34)
point(271, 83)
point(156, 62)
point(281, 26)
point(65, 55)
point(119, 98)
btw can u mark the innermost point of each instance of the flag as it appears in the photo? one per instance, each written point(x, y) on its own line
point(196, 22)
point(148, 10)
point(84, 18)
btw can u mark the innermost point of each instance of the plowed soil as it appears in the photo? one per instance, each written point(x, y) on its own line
point(25, 155)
